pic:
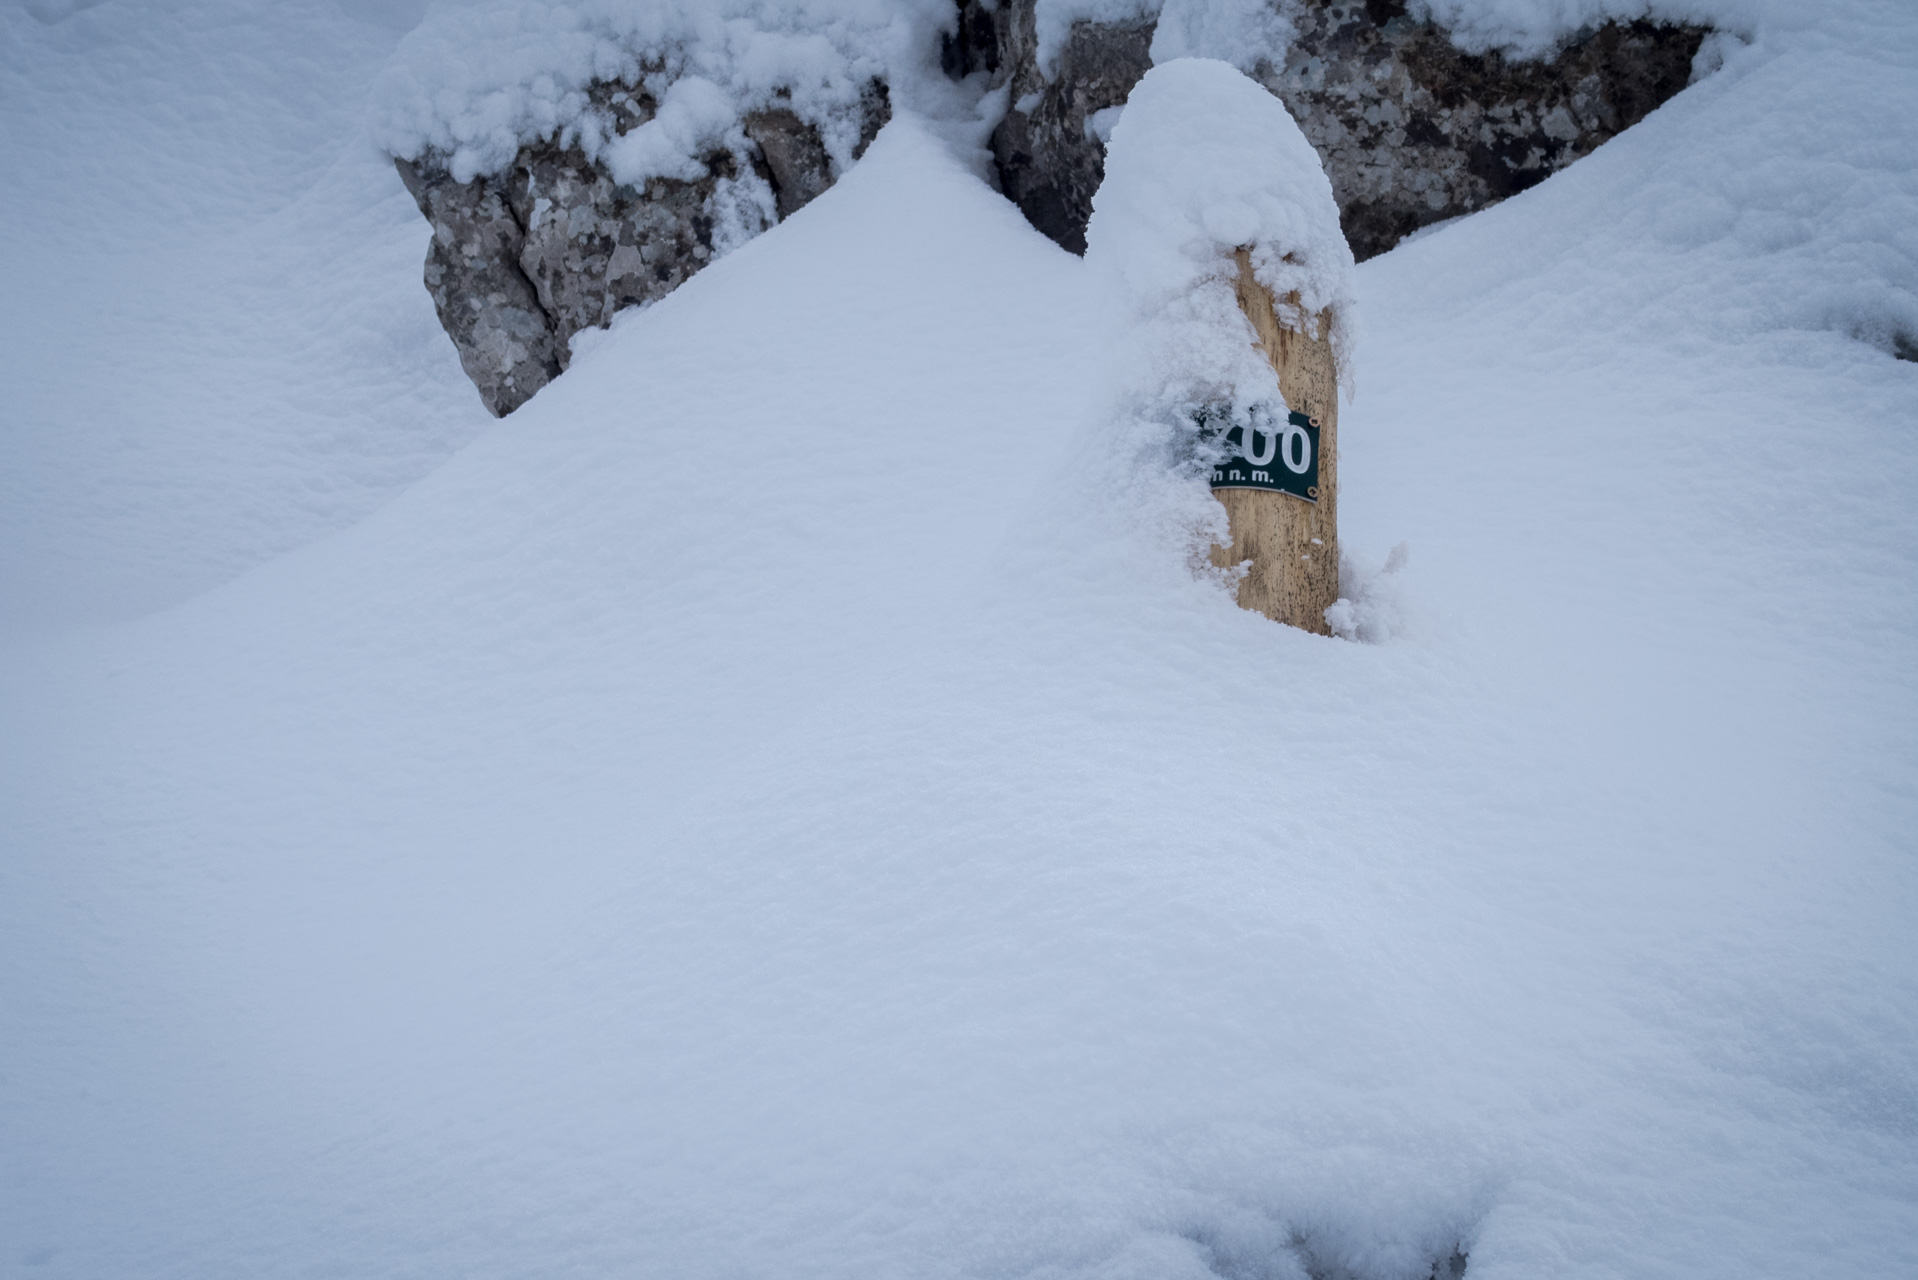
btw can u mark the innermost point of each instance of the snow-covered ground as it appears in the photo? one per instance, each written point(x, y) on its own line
point(763, 810)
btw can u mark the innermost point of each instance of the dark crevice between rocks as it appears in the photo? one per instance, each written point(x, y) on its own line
point(1904, 346)
point(973, 43)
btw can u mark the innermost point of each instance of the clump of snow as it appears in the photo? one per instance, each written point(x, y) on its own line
point(694, 116)
point(741, 207)
point(1244, 33)
point(1373, 605)
point(1202, 163)
point(1714, 51)
point(475, 81)
point(1536, 28)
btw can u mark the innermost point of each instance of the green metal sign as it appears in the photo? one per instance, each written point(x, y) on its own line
point(1282, 459)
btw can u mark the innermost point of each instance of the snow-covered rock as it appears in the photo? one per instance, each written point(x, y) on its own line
point(524, 259)
point(1050, 147)
point(593, 154)
point(1412, 128)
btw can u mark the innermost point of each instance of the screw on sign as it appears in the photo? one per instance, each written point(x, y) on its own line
point(1280, 488)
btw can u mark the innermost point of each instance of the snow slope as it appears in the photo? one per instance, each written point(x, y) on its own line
point(215, 341)
point(762, 811)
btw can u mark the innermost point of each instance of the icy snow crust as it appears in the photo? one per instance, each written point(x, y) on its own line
point(772, 809)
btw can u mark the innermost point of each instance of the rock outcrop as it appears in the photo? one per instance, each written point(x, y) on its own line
point(522, 260)
point(1411, 129)
point(1050, 148)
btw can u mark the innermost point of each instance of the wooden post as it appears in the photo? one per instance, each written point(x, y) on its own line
point(1293, 544)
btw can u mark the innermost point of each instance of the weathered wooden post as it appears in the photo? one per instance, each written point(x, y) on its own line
point(1280, 487)
point(1212, 196)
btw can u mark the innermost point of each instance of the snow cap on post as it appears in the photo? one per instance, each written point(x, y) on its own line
point(1204, 162)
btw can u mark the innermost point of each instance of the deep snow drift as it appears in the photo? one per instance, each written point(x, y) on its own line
point(764, 811)
point(215, 343)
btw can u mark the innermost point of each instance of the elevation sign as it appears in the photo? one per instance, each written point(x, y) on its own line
point(1284, 459)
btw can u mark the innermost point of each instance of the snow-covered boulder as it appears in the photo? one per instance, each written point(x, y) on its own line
point(576, 157)
point(556, 243)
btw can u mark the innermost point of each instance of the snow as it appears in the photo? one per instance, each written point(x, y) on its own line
point(1535, 28)
point(1202, 162)
point(774, 807)
point(216, 346)
point(1241, 32)
point(477, 78)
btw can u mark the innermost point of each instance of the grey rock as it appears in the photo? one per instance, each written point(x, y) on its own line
point(485, 302)
point(522, 260)
point(1411, 129)
point(593, 246)
point(795, 159)
point(1050, 160)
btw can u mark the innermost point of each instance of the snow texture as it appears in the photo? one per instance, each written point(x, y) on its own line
point(1535, 28)
point(478, 78)
point(216, 345)
point(1202, 162)
point(1244, 33)
point(771, 809)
